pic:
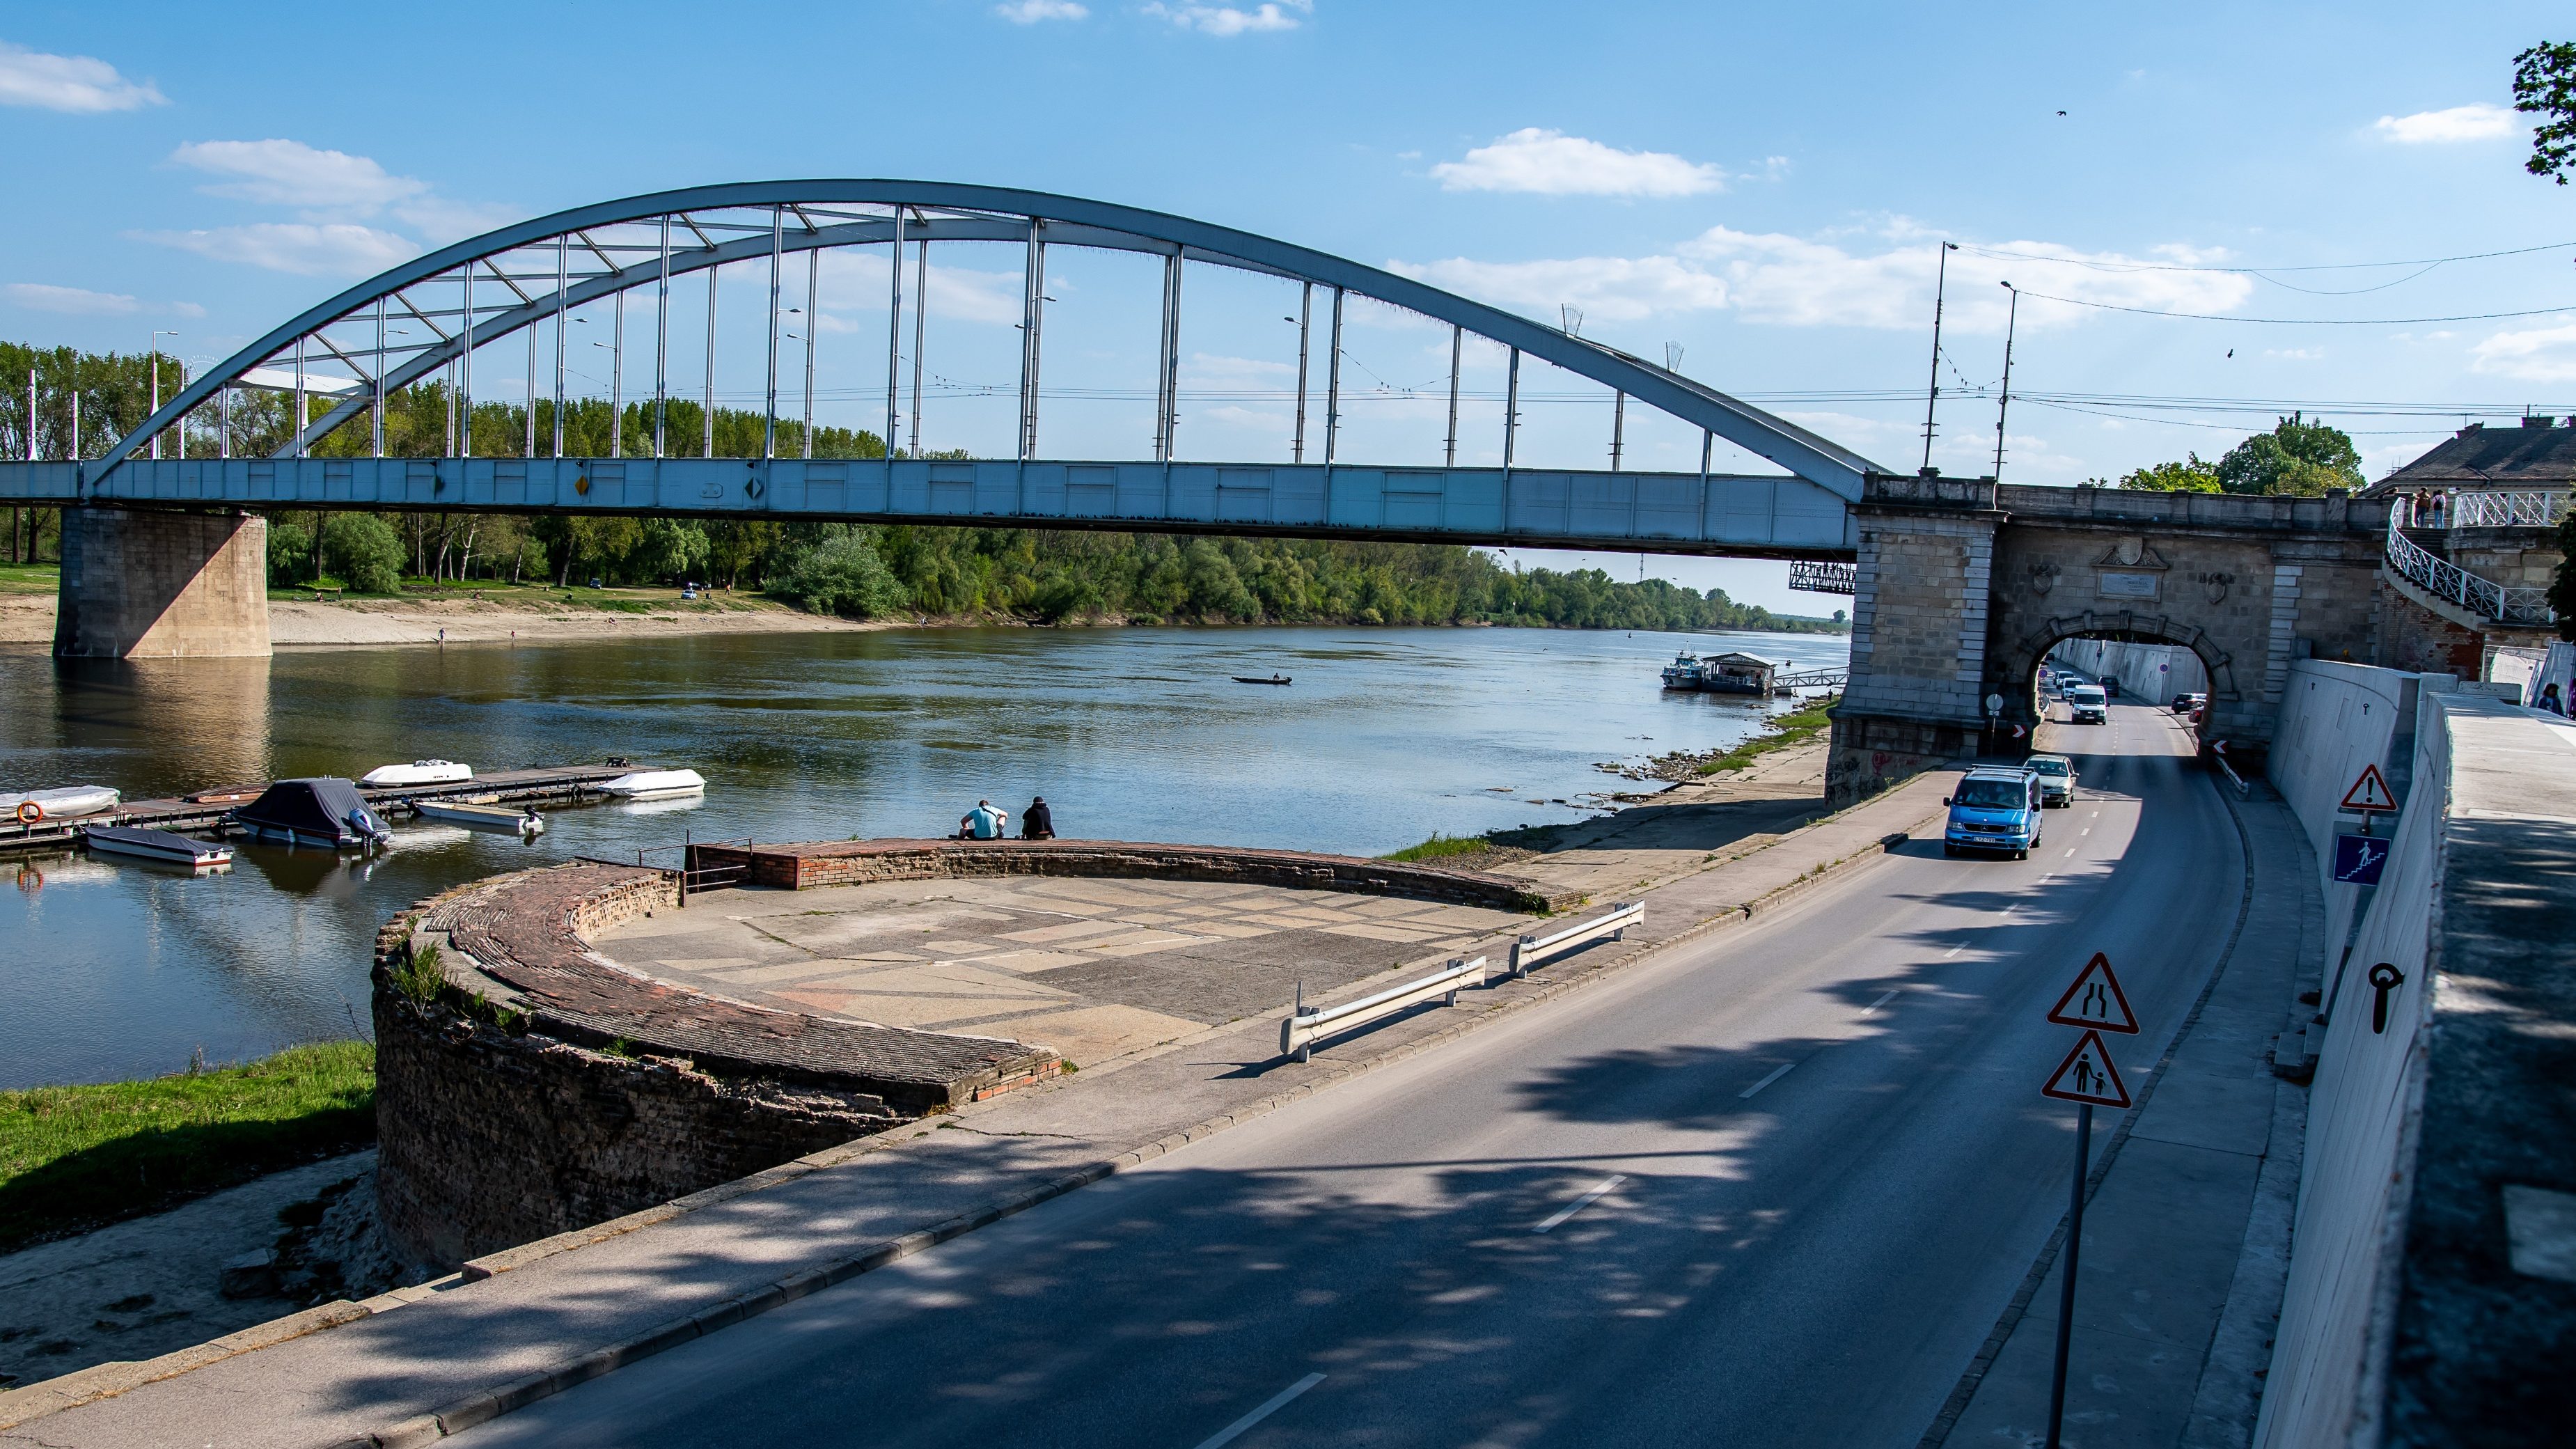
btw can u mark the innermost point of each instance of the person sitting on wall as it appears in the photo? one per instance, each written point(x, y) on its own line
point(2549, 699)
point(983, 822)
point(1037, 822)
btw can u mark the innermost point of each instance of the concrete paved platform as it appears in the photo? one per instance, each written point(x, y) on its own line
point(1096, 969)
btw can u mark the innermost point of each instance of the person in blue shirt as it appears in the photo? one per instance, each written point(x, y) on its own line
point(983, 822)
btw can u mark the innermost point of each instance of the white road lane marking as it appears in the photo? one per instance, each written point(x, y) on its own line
point(1278, 1401)
point(2088, 830)
point(1882, 1001)
point(2070, 850)
point(1955, 950)
point(1776, 1074)
point(1579, 1204)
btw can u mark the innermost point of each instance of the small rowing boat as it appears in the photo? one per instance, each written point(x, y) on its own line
point(161, 845)
point(1274, 679)
point(29, 806)
point(497, 818)
point(418, 772)
point(656, 785)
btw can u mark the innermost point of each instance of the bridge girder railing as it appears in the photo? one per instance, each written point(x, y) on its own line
point(454, 302)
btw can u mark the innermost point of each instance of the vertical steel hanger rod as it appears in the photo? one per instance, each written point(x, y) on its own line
point(813, 319)
point(662, 342)
point(379, 386)
point(712, 270)
point(894, 343)
point(617, 380)
point(769, 408)
point(1333, 382)
point(1305, 315)
point(563, 295)
point(1457, 344)
point(1511, 407)
point(920, 318)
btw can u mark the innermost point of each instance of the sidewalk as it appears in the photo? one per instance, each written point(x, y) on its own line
point(526, 1323)
point(2187, 1230)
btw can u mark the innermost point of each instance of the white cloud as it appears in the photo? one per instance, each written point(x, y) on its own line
point(853, 277)
point(2480, 122)
point(1552, 163)
point(1030, 12)
point(1800, 282)
point(443, 221)
point(1232, 20)
point(2537, 354)
point(306, 248)
point(76, 83)
point(78, 301)
point(2295, 354)
point(279, 172)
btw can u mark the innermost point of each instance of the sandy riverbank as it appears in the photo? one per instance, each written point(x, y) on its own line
point(524, 616)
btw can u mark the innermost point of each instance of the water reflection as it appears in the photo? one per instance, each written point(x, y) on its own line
point(1387, 736)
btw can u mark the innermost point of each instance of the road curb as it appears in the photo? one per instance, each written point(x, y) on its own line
point(482, 1406)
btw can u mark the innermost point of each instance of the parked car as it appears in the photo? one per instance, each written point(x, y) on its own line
point(1994, 808)
point(2056, 779)
point(2086, 704)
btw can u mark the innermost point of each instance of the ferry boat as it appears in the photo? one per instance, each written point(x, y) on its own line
point(1683, 672)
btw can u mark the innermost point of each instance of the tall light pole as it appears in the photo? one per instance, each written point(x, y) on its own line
point(156, 383)
point(2012, 315)
point(1940, 286)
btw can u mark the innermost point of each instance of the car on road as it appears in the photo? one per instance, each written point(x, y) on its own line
point(2187, 701)
point(1994, 808)
point(2110, 686)
point(2056, 779)
point(2086, 704)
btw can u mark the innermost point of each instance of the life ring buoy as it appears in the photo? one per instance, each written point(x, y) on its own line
point(29, 812)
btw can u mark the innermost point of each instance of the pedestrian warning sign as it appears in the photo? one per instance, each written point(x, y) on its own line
point(2370, 794)
point(2096, 1000)
point(2087, 1076)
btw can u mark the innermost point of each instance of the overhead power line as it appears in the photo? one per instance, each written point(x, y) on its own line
point(2303, 321)
point(2099, 265)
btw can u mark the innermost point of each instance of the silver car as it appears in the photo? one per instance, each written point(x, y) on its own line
point(2056, 779)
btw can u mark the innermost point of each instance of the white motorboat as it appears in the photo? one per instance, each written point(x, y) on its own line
point(497, 818)
point(1683, 672)
point(656, 785)
point(418, 772)
point(161, 845)
point(30, 806)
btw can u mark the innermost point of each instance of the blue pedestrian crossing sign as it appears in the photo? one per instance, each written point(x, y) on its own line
point(2358, 859)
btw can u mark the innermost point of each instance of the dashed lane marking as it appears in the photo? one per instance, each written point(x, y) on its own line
point(1595, 1194)
point(1776, 1074)
point(1278, 1401)
point(1875, 1005)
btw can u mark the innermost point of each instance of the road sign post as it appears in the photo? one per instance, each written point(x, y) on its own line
point(2095, 1002)
point(2369, 798)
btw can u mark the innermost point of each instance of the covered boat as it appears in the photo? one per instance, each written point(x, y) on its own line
point(656, 785)
point(161, 845)
point(29, 806)
point(325, 810)
point(418, 772)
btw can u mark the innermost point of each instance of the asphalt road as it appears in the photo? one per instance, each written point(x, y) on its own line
point(1772, 1189)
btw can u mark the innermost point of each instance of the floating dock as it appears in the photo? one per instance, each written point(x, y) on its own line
point(203, 811)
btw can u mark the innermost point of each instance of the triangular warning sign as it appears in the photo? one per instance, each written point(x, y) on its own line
point(2096, 1000)
point(2088, 1076)
point(2369, 793)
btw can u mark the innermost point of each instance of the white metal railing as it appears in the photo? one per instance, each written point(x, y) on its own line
point(2446, 580)
point(1302, 1027)
point(1531, 951)
point(2532, 509)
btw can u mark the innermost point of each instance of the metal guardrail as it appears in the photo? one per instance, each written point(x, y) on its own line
point(1531, 951)
point(1814, 679)
point(2487, 510)
point(1301, 1028)
point(2446, 580)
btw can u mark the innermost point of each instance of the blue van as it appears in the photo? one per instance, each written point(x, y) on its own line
point(1994, 808)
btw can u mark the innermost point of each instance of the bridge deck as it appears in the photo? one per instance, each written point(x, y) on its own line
point(1781, 516)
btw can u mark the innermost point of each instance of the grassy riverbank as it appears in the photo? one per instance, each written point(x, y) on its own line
point(75, 1158)
point(1787, 730)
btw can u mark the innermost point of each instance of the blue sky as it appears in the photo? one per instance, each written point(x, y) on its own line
point(1763, 186)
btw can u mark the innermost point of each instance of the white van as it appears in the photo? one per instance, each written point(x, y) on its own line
point(2087, 704)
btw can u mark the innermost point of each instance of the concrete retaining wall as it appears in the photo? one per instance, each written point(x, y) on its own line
point(2148, 673)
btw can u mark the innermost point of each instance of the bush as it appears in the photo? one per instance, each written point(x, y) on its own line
point(840, 575)
point(364, 551)
point(290, 553)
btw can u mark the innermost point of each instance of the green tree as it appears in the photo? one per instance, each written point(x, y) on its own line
point(2298, 457)
point(2544, 84)
point(840, 575)
point(364, 552)
point(2191, 475)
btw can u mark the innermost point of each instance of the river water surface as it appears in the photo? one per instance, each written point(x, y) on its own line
point(111, 970)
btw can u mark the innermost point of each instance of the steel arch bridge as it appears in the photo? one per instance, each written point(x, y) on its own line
point(459, 300)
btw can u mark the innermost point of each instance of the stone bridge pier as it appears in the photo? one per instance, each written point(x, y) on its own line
point(1964, 586)
point(162, 584)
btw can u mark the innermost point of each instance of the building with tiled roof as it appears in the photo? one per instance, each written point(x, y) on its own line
point(2540, 454)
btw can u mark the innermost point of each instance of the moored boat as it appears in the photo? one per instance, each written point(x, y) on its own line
point(656, 785)
point(1274, 679)
point(161, 845)
point(418, 772)
point(30, 806)
point(1683, 672)
point(324, 810)
point(497, 818)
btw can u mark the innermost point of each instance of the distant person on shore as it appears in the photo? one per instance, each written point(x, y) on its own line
point(1037, 822)
point(983, 822)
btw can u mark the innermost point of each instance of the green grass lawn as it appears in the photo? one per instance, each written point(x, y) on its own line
point(75, 1158)
point(28, 578)
point(1795, 728)
point(1442, 847)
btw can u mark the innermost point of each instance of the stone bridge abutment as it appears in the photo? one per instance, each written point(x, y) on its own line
point(1964, 586)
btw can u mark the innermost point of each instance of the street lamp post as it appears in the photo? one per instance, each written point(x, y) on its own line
point(2012, 315)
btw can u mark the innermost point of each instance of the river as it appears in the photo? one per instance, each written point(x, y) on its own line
point(1387, 735)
